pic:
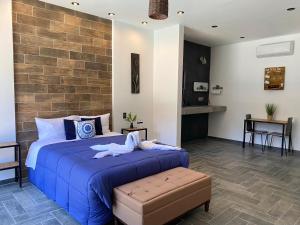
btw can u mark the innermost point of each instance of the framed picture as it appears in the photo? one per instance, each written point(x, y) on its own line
point(200, 87)
point(274, 78)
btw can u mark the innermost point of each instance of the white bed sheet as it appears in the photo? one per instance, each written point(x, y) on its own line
point(37, 145)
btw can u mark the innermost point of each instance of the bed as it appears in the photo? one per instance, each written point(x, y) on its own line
point(67, 173)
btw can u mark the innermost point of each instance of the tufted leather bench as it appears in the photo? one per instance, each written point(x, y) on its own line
point(160, 198)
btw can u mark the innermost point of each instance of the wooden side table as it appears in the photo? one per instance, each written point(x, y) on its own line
point(17, 164)
point(128, 130)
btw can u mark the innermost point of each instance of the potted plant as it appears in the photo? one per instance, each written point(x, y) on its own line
point(131, 118)
point(270, 109)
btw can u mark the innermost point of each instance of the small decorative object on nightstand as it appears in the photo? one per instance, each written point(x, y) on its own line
point(17, 164)
point(128, 130)
point(131, 119)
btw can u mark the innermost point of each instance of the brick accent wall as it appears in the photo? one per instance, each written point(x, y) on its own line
point(62, 63)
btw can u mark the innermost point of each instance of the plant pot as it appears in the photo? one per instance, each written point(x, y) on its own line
point(131, 125)
point(270, 117)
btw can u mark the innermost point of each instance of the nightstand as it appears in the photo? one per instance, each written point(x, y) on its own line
point(128, 130)
point(17, 164)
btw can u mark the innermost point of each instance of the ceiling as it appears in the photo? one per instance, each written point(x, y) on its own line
point(254, 19)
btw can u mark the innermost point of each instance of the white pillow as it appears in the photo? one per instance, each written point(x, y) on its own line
point(52, 128)
point(104, 121)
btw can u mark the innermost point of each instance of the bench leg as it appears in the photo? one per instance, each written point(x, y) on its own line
point(116, 221)
point(206, 206)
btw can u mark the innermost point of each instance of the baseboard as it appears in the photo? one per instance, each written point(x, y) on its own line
point(241, 143)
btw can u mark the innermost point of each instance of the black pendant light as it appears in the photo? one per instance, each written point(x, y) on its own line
point(158, 9)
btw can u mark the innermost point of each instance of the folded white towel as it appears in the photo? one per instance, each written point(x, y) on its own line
point(151, 145)
point(132, 141)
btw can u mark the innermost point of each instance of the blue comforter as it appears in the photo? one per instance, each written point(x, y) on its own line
point(67, 173)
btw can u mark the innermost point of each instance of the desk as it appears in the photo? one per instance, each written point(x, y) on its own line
point(282, 123)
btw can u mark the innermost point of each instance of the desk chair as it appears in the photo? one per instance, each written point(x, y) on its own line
point(287, 133)
point(252, 131)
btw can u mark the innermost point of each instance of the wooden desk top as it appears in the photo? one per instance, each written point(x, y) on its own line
point(282, 122)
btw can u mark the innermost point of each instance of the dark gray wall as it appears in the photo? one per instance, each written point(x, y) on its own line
point(194, 126)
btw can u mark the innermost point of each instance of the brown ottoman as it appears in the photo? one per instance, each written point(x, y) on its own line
point(161, 198)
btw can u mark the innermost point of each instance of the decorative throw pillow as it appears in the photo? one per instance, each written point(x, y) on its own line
point(70, 129)
point(98, 125)
point(85, 129)
point(104, 121)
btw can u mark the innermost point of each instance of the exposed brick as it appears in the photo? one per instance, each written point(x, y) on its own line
point(91, 17)
point(82, 56)
point(105, 90)
point(88, 90)
point(65, 106)
point(27, 98)
point(72, 20)
point(99, 82)
point(93, 50)
point(18, 58)
point(77, 97)
point(70, 46)
point(22, 8)
point(25, 68)
point(37, 3)
point(21, 78)
point(60, 9)
point(52, 35)
point(53, 71)
point(29, 126)
point(91, 33)
point(104, 59)
point(108, 52)
point(37, 41)
point(16, 38)
point(22, 28)
point(85, 73)
point(80, 39)
point(62, 27)
point(34, 21)
point(61, 89)
point(42, 106)
point(50, 97)
point(25, 116)
point(57, 53)
point(31, 88)
point(40, 60)
point(95, 66)
point(26, 49)
point(73, 64)
point(74, 81)
point(47, 14)
point(42, 79)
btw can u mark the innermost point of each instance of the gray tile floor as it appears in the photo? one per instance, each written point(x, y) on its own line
point(249, 188)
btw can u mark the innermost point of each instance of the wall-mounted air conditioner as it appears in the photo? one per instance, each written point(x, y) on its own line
point(275, 49)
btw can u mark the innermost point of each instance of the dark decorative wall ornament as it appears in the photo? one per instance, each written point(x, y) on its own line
point(135, 73)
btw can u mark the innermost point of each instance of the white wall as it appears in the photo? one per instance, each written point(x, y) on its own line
point(168, 60)
point(7, 102)
point(236, 68)
point(128, 39)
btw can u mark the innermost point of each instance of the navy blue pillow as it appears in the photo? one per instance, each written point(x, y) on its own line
point(98, 125)
point(70, 129)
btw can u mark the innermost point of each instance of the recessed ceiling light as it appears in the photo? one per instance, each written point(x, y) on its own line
point(290, 9)
point(144, 22)
point(75, 3)
point(214, 26)
point(242, 37)
point(180, 12)
point(111, 14)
